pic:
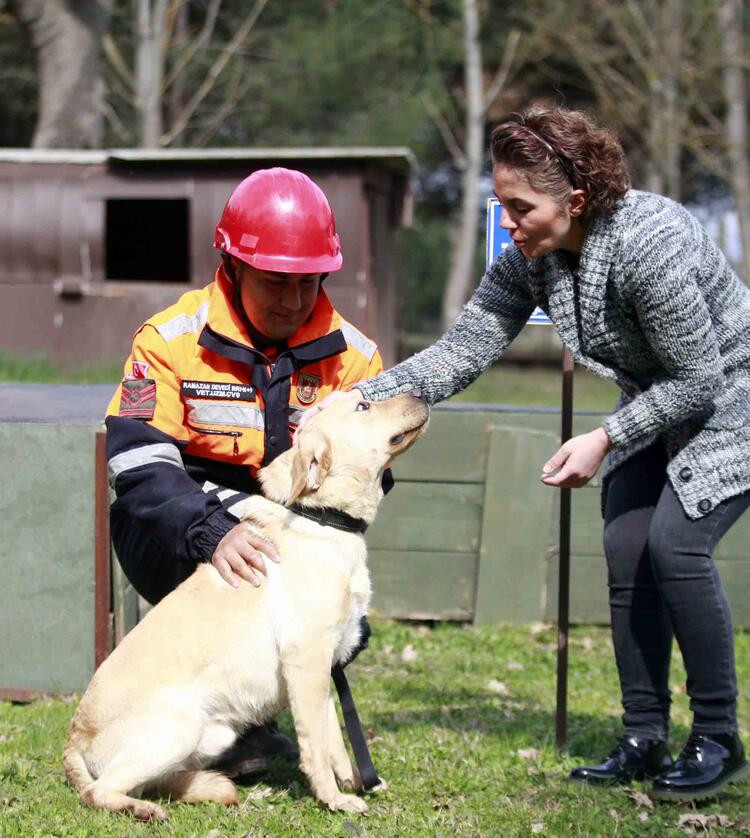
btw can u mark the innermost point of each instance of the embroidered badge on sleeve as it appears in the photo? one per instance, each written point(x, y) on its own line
point(138, 399)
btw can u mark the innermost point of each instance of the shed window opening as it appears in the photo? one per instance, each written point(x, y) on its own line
point(147, 239)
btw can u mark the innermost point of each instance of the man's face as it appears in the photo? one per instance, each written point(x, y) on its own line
point(277, 304)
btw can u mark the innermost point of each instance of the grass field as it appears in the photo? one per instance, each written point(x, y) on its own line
point(461, 725)
point(532, 386)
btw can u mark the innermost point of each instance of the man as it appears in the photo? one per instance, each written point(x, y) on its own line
point(216, 384)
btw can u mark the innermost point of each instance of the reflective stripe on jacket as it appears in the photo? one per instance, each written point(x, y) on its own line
point(221, 409)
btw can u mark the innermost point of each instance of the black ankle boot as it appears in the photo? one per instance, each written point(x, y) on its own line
point(633, 759)
point(707, 764)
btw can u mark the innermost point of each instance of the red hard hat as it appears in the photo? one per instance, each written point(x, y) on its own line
point(279, 220)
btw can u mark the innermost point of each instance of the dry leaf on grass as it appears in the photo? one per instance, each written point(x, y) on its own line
point(528, 753)
point(643, 816)
point(639, 798)
point(259, 793)
point(537, 828)
point(497, 687)
point(538, 628)
point(515, 666)
point(695, 823)
point(587, 643)
point(409, 653)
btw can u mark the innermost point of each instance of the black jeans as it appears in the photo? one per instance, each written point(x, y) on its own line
point(151, 570)
point(663, 582)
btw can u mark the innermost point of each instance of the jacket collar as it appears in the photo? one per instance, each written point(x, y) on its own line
point(579, 316)
point(225, 332)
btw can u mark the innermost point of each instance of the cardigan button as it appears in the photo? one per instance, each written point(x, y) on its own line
point(704, 505)
point(273, 440)
point(686, 474)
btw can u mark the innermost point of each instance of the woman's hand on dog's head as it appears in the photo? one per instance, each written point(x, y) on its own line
point(240, 554)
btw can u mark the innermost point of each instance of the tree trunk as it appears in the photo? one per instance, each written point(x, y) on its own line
point(665, 120)
point(459, 277)
point(65, 35)
point(149, 69)
point(730, 18)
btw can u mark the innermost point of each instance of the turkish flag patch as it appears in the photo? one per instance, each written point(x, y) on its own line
point(138, 399)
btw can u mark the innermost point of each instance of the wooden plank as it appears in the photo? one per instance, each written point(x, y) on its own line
point(587, 522)
point(444, 517)
point(589, 593)
point(454, 449)
point(124, 602)
point(518, 528)
point(102, 581)
point(423, 585)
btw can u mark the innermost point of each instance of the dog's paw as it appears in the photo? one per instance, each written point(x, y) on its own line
point(144, 810)
point(348, 803)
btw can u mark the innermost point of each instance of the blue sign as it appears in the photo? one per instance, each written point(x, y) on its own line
point(497, 240)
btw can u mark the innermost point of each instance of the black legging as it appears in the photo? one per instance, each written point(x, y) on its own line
point(662, 580)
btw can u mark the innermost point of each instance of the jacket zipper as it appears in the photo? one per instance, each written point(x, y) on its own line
point(215, 432)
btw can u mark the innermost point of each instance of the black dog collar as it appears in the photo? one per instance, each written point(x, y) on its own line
point(327, 517)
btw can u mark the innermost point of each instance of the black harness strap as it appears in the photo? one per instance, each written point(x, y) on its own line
point(354, 730)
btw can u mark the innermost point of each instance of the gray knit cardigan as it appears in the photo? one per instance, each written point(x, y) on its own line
point(655, 306)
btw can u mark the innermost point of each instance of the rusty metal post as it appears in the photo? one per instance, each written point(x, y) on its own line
point(563, 593)
point(101, 551)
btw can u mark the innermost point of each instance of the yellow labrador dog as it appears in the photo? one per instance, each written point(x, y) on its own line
point(209, 659)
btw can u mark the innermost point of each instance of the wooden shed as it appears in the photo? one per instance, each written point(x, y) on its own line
point(94, 242)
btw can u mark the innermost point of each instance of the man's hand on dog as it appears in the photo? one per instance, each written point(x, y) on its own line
point(241, 554)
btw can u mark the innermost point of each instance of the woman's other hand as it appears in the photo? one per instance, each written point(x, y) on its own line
point(354, 395)
point(577, 461)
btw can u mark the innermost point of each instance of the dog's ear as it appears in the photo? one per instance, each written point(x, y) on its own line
point(310, 465)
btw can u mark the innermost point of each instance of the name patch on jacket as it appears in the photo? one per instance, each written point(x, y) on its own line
point(138, 398)
point(218, 390)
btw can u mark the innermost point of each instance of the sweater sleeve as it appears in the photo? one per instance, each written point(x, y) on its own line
point(674, 317)
point(488, 323)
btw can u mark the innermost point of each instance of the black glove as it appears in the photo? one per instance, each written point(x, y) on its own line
point(364, 639)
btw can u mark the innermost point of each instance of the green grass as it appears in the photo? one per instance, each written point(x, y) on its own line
point(539, 386)
point(39, 368)
point(531, 386)
point(462, 730)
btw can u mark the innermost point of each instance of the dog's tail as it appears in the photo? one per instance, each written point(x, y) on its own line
point(76, 770)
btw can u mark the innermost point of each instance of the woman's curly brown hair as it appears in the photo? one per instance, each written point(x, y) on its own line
point(558, 150)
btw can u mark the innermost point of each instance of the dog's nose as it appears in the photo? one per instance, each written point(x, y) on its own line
point(418, 394)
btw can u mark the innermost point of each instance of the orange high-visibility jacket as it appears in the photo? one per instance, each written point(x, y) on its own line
point(200, 410)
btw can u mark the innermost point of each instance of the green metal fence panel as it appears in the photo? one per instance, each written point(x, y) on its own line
point(47, 606)
point(423, 585)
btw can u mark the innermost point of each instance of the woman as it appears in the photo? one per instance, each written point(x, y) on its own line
point(639, 294)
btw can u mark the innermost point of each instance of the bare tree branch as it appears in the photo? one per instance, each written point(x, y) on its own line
point(449, 138)
point(117, 61)
point(196, 46)
point(503, 71)
point(214, 72)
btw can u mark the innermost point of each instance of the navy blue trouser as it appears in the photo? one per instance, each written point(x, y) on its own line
point(663, 583)
point(151, 570)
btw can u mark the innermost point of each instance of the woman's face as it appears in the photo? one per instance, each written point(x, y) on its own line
point(537, 222)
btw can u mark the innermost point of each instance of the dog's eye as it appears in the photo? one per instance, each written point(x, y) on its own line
point(363, 406)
